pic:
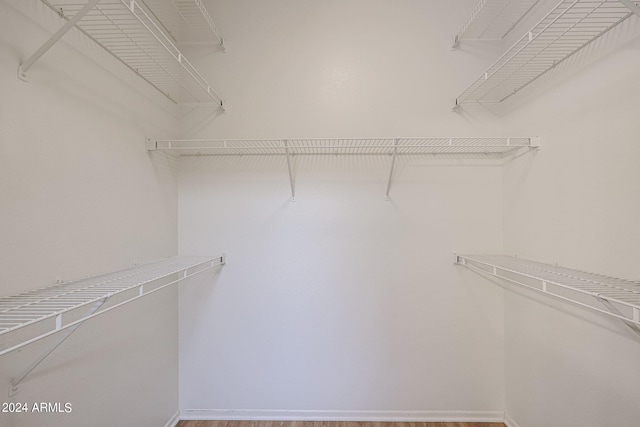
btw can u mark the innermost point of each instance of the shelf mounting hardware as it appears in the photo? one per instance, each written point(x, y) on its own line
point(635, 327)
point(24, 67)
point(293, 188)
point(13, 387)
point(393, 163)
point(632, 5)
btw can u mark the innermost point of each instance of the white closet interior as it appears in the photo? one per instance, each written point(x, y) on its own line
point(339, 303)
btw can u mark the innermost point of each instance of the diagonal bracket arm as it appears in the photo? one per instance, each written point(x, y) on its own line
point(632, 5)
point(393, 163)
point(291, 182)
point(612, 308)
point(13, 388)
point(24, 67)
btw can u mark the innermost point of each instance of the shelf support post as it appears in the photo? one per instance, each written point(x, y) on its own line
point(632, 6)
point(393, 163)
point(24, 67)
point(13, 387)
point(293, 188)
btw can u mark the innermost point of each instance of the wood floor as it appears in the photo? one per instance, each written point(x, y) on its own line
point(328, 424)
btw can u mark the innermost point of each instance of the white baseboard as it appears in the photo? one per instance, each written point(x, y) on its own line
point(301, 415)
point(509, 421)
point(174, 420)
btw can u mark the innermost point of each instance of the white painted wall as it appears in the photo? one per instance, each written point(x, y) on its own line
point(576, 203)
point(79, 195)
point(340, 301)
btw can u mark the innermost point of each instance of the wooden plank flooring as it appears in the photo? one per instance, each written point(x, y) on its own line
point(329, 424)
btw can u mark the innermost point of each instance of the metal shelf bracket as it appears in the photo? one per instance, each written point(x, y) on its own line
point(393, 163)
point(24, 67)
point(632, 5)
point(612, 308)
point(291, 182)
point(13, 386)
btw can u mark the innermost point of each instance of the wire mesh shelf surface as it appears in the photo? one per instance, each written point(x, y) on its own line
point(493, 19)
point(187, 21)
point(569, 27)
point(132, 33)
point(47, 307)
point(499, 147)
point(620, 296)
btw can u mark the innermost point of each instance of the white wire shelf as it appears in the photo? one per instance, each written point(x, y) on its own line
point(493, 19)
point(488, 147)
point(491, 149)
point(30, 316)
point(187, 21)
point(199, 24)
point(620, 298)
point(128, 31)
point(566, 29)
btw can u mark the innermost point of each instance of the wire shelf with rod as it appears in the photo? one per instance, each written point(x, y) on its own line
point(614, 297)
point(131, 33)
point(567, 28)
point(493, 19)
point(495, 150)
point(494, 147)
point(31, 316)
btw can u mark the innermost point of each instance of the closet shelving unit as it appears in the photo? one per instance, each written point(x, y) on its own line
point(133, 34)
point(496, 149)
point(614, 297)
point(492, 20)
point(31, 316)
point(566, 29)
